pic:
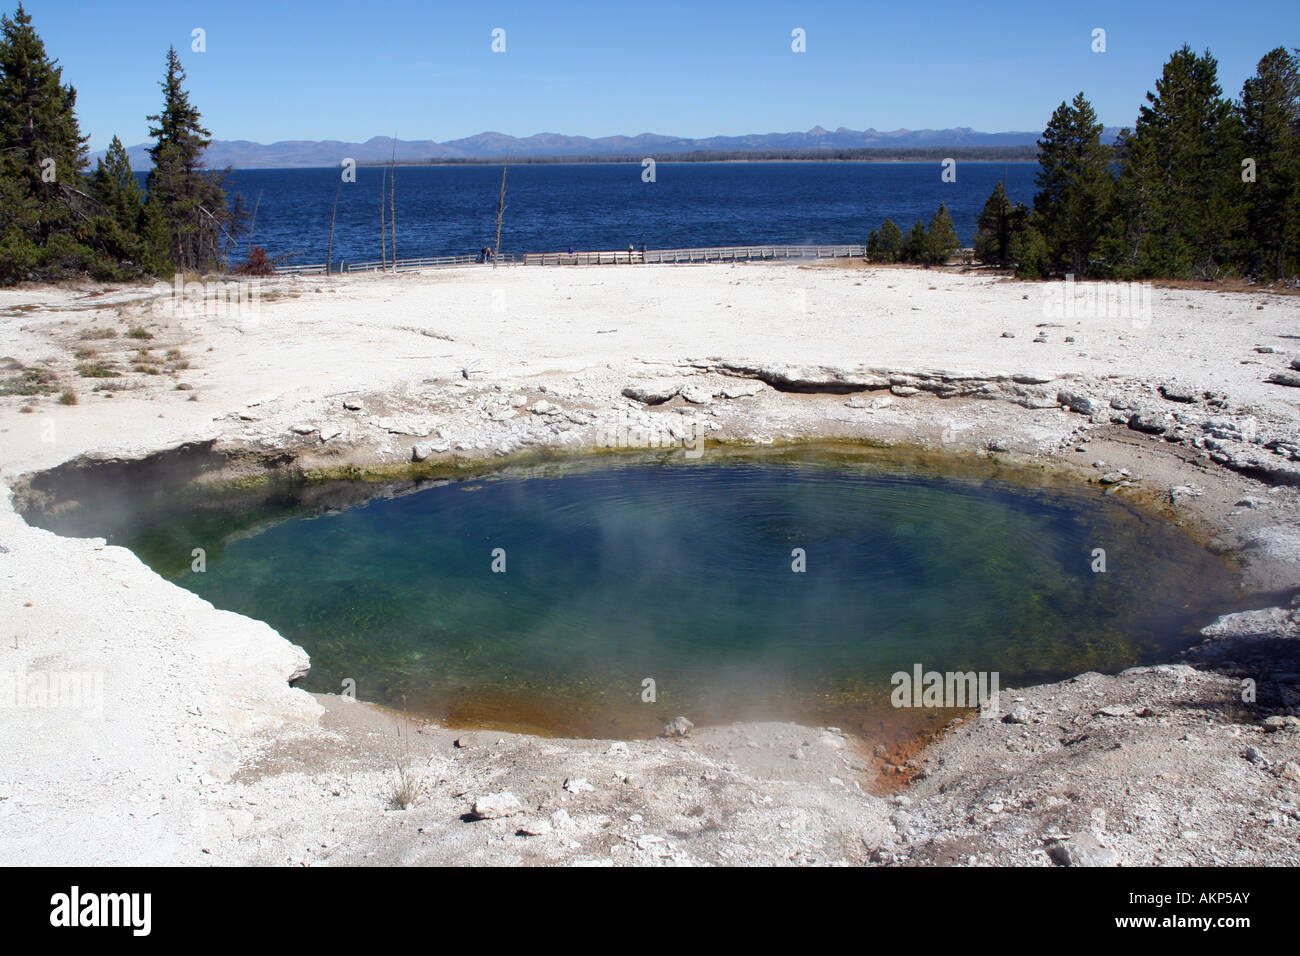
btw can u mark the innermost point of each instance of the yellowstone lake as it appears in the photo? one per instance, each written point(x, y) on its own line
point(451, 210)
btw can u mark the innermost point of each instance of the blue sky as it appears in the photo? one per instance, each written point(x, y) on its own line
point(283, 69)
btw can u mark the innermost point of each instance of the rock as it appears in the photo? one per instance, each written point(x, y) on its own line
point(741, 390)
point(496, 805)
point(999, 444)
point(538, 827)
point(352, 405)
point(1254, 755)
point(1178, 492)
point(302, 429)
point(1295, 364)
point(1116, 710)
point(652, 393)
point(1289, 379)
point(1290, 771)
point(1276, 723)
point(1019, 714)
point(859, 401)
point(330, 431)
point(677, 727)
point(544, 408)
point(883, 401)
point(1008, 335)
point(1149, 420)
point(421, 451)
point(1077, 403)
point(577, 785)
point(1179, 393)
point(697, 395)
point(1113, 478)
point(1082, 849)
point(904, 391)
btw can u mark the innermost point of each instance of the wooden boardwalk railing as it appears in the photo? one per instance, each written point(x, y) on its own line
point(613, 257)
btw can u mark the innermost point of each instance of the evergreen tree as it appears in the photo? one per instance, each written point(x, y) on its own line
point(1029, 252)
point(941, 239)
point(44, 214)
point(885, 245)
point(115, 186)
point(189, 202)
point(1270, 116)
point(915, 246)
point(1181, 211)
point(1074, 186)
point(122, 227)
point(996, 226)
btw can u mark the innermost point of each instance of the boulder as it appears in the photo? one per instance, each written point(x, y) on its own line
point(1148, 420)
point(651, 393)
point(1179, 393)
point(496, 805)
point(677, 727)
point(1077, 403)
point(1082, 849)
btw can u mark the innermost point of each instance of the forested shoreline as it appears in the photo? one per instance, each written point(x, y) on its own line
point(1201, 187)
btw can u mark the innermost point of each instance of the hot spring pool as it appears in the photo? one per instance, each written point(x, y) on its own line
point(545, 601)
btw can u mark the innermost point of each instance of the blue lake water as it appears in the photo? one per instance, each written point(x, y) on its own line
point(450, 210)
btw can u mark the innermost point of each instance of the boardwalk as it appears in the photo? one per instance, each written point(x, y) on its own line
point(624, 257)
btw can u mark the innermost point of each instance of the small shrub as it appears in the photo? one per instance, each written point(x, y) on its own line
point(87, 334)
point(68, 397)
point(100, 369)
point(139, 332)
point(258, 263)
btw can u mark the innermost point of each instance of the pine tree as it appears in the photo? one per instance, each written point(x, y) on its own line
point(885, 245)
point(1029, 252)
point(1270, 116)
point(122, 228)
point(189, 202)
point(1074, 187)
point(915, 246)
point(997, 224)
point(45, 216)
point(1181, 211)
point(941, 239)
point(115, 186)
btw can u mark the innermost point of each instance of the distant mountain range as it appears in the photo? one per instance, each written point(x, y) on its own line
point(243, 154)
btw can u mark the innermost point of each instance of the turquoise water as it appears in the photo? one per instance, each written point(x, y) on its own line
point(682, 573)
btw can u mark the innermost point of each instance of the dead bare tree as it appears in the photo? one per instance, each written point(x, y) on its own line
point(392, 201)
point(383, 236)
point(252, 223)
point(501, 208)
point(329, 250)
